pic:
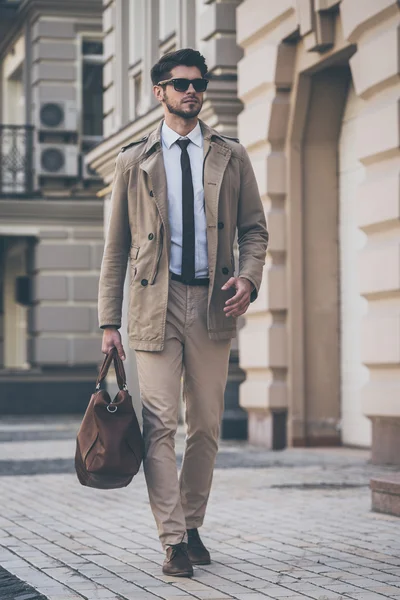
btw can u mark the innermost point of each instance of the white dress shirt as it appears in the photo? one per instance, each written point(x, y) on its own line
point(172, 163)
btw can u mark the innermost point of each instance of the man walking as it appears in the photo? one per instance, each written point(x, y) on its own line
point(179, 197)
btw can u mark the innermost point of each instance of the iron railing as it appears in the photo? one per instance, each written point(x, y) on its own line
point(16, 160)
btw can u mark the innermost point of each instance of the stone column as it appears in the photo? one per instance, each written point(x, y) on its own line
point(109, 69)
point(375, 27)
point(121, 63)
point(217, 32)
point(186, 31)
point(217, 28)
point(151, 52)
point(265, 76)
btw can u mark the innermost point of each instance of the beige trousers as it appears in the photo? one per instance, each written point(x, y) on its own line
point(180, 504)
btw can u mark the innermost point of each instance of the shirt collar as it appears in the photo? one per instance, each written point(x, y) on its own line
point(169, 136)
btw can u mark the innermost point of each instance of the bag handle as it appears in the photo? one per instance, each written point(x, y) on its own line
point(118, 366)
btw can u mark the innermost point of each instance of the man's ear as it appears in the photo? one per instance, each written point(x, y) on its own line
point(158, 92)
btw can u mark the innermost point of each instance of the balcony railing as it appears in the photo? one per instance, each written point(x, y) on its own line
point(16, 160)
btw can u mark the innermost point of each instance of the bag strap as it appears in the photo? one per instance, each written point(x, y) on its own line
point(118, 366)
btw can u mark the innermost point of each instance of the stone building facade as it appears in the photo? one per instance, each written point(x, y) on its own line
point(51, 234)
point(311, 87)
point(320, 86)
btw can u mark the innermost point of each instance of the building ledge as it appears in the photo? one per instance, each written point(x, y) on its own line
point(386, 494)
point(39, 212)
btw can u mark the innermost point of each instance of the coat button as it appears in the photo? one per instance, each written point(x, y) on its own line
point(225, 270)
point(220, 225)
point(151, 236)
point(151, 193)
point(144, 282)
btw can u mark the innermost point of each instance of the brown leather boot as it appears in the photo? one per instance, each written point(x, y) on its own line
point(198, 553)
point(177, 561)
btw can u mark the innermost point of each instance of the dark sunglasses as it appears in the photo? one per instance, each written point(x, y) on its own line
point(182, 85)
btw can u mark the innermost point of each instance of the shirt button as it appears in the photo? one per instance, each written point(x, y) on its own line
point(144, 282)
point(225, 270)
point(151, 193)
point(220, 225)
point(151, 236)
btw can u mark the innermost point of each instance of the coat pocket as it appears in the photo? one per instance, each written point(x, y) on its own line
point(133, 258)
point(159, 249)
point(134, 252)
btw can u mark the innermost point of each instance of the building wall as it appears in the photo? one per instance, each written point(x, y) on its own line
point(66, 270)
point(134, 40)
point(61, 223)
point(295, 63)
point(287, 47)
point(264, 81)
point(356, 428)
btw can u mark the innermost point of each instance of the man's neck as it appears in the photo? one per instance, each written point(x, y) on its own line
point(179, 125)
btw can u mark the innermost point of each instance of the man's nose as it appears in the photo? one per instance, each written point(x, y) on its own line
point(191, 89)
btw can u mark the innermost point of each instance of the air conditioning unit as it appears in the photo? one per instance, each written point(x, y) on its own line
point(57, 160)
point(88, 174)
point(58, 115)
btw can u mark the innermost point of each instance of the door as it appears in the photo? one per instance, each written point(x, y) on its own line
point(356, 428)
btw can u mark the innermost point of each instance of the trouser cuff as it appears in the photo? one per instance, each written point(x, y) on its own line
point(173, 540)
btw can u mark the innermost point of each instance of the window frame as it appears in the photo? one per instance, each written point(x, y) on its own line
point(88, 59)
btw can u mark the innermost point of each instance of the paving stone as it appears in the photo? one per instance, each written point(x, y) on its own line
point(295, 524)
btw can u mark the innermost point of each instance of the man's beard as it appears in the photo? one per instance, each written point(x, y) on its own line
point(180, 113)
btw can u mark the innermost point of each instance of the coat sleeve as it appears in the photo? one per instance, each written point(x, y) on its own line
point(252, 227)
point(116, 252)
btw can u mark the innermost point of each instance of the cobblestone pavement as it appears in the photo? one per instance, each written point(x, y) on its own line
point(290, 525)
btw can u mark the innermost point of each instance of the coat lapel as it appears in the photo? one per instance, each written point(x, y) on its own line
point(216, 158)
point(153, 165)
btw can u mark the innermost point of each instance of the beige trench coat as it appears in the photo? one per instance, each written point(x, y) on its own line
point(139, 230)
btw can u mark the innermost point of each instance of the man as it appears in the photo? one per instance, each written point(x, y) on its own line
point(179, 196)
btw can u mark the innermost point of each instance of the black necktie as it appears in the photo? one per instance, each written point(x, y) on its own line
point(188, 236)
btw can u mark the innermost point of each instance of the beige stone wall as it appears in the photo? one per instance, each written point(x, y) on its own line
point(265, 76)
point(286, 45)
point(296, 62)
point(66, 270)
point(62, 222)
point(375, 69)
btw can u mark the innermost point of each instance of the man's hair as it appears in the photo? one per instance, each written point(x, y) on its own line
point(186, 56)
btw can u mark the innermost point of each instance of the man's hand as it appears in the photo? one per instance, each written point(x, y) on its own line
point(111, 339)
point(239, 303)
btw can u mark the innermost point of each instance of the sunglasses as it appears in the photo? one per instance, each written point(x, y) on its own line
point(182, 85)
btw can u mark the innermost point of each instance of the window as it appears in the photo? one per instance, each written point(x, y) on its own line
point(92, 47)
point(92, 88)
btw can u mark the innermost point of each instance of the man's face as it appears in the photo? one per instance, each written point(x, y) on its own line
point(183, 104)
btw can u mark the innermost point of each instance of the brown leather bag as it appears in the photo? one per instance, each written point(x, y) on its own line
point(109, 445)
